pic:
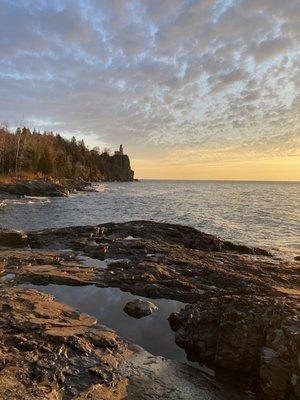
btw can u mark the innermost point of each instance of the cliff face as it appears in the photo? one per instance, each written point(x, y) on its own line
point(116, 168)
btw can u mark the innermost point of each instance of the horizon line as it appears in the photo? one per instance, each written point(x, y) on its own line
point(218, 180)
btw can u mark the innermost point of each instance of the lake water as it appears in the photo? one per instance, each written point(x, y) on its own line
point(255, 213)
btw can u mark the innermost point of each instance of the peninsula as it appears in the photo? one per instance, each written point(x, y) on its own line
point(46, 164)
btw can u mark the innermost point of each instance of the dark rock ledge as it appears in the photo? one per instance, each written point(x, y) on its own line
point(254, 334)
point(44, 188)
point(243, 311)
point(35, 188)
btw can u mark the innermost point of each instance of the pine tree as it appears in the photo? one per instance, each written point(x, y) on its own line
point(45, 163)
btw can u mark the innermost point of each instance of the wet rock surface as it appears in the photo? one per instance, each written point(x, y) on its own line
point(50, 351)
point(168, 261)
point(242, 314)
point(139, 308)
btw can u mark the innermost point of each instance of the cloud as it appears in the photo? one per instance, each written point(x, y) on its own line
point(225, 79)
point(207, 74)
point(269, 47)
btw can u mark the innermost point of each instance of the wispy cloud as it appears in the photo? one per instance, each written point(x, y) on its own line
point(180, 74)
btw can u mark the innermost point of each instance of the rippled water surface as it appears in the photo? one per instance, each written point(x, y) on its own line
point(255, 213)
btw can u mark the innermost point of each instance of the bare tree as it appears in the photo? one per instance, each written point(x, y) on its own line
point(3, 129)
point(22, 148)
point(18, 138)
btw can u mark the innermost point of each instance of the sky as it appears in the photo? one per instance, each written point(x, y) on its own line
point(194, 89)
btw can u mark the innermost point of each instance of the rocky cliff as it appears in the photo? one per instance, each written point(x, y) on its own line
point(32, 155)
point(116, 168)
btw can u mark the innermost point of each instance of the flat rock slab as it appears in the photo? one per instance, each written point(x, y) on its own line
point(151, 377)
point(164, 261)
point(47, 350)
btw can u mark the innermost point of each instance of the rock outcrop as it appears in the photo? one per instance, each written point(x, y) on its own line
point(243, 307)
point(171, 261)
point(251, 334)
point(116, 168)
point(34, 188)
point(49, 351)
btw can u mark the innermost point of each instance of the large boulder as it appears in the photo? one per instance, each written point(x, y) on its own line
point(12, 238)
point(252, 334)
point(139, 308)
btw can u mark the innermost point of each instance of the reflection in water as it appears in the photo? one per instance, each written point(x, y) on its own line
point(153, 333)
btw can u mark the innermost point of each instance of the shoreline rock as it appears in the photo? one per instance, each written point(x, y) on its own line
point(243, 302)
point(34, 188)
point(12, 238)
point(50, 351)
point(48, 188)
point(256, 335)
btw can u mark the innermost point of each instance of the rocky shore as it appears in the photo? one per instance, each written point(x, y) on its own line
point(43, 188)
point(242, 314)
point(113, 168)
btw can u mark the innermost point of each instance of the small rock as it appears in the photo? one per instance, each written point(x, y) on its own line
point(95, 250)
point(139, 308)
point(12, 238)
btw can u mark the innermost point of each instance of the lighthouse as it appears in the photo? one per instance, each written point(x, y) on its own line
point(120, 151)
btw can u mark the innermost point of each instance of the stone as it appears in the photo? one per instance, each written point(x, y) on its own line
point(13, 238)
point(250, 334)
point(52, 346)
point(139, 308)
point(96, 250)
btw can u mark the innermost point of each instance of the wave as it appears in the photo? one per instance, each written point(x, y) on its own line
point(99, 187)
point(25, 200)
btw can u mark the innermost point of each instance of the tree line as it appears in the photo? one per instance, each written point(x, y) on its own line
point(25, 153)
